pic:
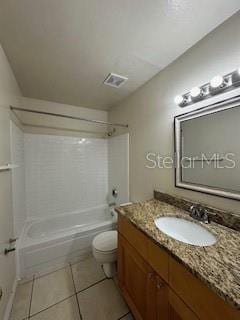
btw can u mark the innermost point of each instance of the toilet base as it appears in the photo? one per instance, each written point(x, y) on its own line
point(109, 269)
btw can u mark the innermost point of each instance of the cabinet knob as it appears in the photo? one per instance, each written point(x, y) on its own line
point(150, 275)
point(160, 284)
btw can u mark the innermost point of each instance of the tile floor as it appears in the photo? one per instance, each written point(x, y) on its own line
point(76, 292)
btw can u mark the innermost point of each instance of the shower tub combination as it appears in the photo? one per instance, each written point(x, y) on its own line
point(49, 243)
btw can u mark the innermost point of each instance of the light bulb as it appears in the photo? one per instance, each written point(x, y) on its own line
point(195, 92)
point(179, 99)
point(81, 141)
point(216, 81)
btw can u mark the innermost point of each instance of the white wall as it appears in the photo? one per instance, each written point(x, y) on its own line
point(44, 124)
point(64, 174)
point(9, 94)
point(150, 111)
point(18, 178)
point(118, 168)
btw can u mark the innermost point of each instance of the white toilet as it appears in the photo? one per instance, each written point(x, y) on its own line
point(104, 248)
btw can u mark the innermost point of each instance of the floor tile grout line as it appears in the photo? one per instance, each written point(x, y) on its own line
point(72, 295)
point(117, 287)
point(58, 269)
point(92, 285)
point(79, 311)
point(50, 272)
point(23, 281)
point(81, 260)
point(75, 294)
point(69, 265)
point(124, 315)
point(72, 278)
point(53, 305)
point(30, 303)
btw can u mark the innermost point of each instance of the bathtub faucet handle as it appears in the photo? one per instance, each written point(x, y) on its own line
point(12, 240)
point(11, 247)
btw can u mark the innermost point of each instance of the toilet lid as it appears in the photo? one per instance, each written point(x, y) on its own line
point(106, 241)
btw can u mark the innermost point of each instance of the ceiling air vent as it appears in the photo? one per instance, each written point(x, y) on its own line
point(115, 80)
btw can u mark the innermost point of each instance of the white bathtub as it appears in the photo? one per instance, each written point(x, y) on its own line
point(49, 243)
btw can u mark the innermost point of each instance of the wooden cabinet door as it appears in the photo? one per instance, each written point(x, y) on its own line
point(134, 276)
point(145, 292)
point(157, 305)
point(162, 305)
point(178, 310)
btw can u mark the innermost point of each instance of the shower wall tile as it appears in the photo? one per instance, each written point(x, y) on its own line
point(64, 174)
point(118, 171)
point(18, 178)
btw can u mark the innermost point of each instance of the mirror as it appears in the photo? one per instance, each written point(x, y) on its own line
point(207, 148)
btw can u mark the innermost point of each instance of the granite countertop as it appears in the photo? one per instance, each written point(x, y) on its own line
point(217, 265)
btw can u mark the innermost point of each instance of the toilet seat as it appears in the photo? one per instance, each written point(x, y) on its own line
point(105, 252)
point(106, 242)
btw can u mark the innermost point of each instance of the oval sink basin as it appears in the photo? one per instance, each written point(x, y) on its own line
point(185, 231)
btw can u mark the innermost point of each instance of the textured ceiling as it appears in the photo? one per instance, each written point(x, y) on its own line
point(62, 50)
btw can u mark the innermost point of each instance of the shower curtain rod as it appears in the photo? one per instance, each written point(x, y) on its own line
point(69, 117)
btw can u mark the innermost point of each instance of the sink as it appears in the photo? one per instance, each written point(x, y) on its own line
point(185, 231)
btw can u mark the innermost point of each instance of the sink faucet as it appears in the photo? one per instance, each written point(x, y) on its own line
point(199, 213)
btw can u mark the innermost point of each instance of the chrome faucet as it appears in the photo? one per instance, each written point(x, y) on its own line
point(199, 213)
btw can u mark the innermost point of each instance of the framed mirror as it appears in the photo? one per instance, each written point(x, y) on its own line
point(207, 149)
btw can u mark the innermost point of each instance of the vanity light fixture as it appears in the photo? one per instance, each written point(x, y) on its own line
point(81, 141)
point(195, 92)
point(216, 82)
point(217, 85)
point(179, 99)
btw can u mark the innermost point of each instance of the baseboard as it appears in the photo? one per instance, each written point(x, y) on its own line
point(10, 301)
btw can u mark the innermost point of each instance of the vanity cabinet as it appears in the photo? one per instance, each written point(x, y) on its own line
point(157, 287)
point(134, 278)
point(145, 292)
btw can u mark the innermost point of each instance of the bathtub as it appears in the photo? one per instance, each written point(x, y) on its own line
point(49, 243)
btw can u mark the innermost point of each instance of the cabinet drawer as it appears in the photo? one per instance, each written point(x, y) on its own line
point(158, 259)
point(203, 301)
point(135, 237)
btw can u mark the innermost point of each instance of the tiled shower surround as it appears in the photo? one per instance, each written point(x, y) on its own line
point(64, 174)
point(18, 178)
point(118, 168)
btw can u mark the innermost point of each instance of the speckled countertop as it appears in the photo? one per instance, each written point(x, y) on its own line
point(217, 265)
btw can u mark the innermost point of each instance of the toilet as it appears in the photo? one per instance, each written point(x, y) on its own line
point(104, 248)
